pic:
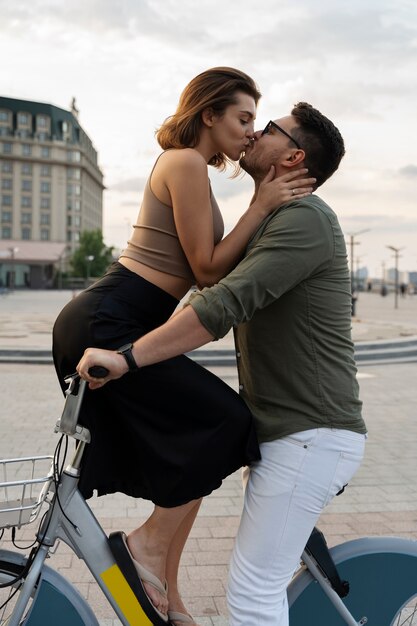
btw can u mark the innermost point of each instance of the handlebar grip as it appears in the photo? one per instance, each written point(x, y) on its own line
point(98, 371)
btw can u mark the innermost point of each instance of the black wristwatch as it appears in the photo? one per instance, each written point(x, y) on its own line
point(126, 350)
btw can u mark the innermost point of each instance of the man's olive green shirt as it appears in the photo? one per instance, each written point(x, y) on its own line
point(289, 300)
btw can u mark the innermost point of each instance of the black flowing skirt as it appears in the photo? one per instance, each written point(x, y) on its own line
point(168, 433)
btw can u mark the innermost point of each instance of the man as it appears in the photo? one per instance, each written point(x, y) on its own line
point(289, 301)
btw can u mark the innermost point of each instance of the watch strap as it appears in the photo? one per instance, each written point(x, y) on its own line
point(126, 351)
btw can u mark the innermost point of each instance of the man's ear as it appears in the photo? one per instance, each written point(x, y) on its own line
point(295, 158)
point(208, 116)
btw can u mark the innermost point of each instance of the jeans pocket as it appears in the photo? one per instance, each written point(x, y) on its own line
point(347, 465)
point(303, 439)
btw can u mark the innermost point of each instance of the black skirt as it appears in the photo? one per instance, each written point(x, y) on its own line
point(170, 432)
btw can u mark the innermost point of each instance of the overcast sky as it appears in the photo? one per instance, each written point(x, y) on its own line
point(126, 62)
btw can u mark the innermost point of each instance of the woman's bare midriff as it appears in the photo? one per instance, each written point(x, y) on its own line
point(174, 285)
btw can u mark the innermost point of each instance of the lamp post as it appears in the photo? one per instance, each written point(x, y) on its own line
point(352, 263)
point(396, 255)
point(12, 272)
point(357, 272)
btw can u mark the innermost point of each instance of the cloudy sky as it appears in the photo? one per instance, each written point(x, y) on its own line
point(126, 62)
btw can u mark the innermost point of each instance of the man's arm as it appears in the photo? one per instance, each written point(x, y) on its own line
point(181, 333)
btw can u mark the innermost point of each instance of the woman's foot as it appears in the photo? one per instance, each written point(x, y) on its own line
point(177, 612)
point(178, 619)
point(151, 570)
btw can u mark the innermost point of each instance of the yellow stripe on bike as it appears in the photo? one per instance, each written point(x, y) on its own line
point(124, 596)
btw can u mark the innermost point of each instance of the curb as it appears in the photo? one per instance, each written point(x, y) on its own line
point(366, 353)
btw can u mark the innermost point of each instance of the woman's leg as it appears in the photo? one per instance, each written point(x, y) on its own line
point(174, 556)
point(150, 544)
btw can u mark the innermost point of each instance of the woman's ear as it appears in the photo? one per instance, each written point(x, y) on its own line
point(208, 116)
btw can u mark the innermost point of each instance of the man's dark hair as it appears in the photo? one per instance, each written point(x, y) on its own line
point(321, 140)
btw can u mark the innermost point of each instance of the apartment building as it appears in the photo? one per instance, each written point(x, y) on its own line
point(51, 189)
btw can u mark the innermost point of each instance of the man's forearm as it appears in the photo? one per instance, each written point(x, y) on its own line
point(182, 333)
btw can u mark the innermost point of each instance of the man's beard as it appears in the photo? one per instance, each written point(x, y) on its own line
point(252, 167)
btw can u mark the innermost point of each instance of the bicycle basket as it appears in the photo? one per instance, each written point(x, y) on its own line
point(23, 488)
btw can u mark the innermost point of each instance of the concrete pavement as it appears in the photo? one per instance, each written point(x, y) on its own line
point(381, 500)
point(379, 330)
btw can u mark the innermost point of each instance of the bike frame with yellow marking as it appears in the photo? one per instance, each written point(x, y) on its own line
point(71, 520)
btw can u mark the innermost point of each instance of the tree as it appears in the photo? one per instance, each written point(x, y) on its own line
point(92, 257)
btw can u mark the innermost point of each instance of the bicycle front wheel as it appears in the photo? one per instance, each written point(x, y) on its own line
point(53, 601)
point(382, 574)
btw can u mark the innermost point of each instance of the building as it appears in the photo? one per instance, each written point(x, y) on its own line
point(51, 189)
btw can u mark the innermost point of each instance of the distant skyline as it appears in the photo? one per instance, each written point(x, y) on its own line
point(126, 62)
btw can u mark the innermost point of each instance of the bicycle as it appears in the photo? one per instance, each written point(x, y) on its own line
point(369, 581)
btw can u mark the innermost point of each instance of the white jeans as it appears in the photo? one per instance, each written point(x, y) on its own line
point(285, 494)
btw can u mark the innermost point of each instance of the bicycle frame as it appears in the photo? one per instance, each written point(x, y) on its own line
point(334, 598)
point(82, 532)
point(71, 520)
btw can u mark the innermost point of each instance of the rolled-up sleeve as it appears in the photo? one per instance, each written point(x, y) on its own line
point(295, 242)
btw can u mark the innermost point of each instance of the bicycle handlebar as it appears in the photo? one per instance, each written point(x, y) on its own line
point(68, 424)
point(98, 371)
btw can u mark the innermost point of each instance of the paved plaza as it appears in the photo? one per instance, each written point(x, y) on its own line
point(381, 499)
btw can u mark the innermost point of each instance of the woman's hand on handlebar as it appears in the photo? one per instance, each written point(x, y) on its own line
point(115, 364)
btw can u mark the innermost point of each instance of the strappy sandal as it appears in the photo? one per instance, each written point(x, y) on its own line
point(125, 560)
point(174, 616)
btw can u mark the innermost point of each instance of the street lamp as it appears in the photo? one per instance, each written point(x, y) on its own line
point(352, 264)
point(396, 254)
point(12, 272)
point(357, 272)
point(89, 259)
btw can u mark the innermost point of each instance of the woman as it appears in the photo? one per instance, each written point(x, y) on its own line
point(171, 432)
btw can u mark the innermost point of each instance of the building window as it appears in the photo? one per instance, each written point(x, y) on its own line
point(23, 119)
point(6, 216)
point(69, 235)
point(76, 237)
point(74, 155)
point(26, 185)
point(45, 219)
point(43, 137)
point(26, 149)
point(4, 116)
point(73, 189)
point(45, 170)
point(42, 121)
point(45, 203)
point(44, 234)
point(45, 187)
point(77, 205)
point(6, 200)
point(7, 167)
point(7, 183)
point(7, 147)
point(26, 218)
point(26, 233)
point(69, 220)
point(77, 220)
point(27, 169)
point(26, 202)
point(45, 152)
point(6, 232)
point(75, 173)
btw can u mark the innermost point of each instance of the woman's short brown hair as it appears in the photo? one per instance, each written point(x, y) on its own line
point(215, 88)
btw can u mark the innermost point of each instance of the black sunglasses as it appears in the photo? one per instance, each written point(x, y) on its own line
point(272, 124)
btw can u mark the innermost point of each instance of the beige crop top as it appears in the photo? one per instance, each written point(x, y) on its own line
point(155, 240)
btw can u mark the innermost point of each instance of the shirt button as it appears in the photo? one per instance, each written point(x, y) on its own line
point(238, 354)
point(240, 387)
